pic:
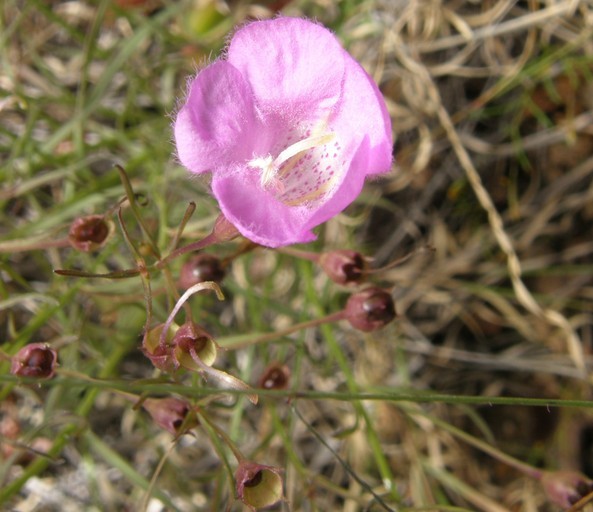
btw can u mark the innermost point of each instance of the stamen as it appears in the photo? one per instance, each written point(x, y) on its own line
point(266, 164)
point(270, 167)
point(303, 145)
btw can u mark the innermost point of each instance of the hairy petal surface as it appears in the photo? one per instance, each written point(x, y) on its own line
point(363, 111)
point(218, 123)
point(362, 120)
point(289, 62)
point(256, 213)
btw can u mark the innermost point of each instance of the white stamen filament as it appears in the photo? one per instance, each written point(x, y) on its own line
point(270, 167)
point(303, 145)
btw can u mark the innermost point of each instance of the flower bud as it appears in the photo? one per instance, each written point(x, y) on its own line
point(191, 341)
point(200, 268)
point(89, 233)
point(172, 414)
point(35, 360)
point(343, 266)
point(565, 488)
point(258, 486)
point(275, 376)
point(370, 309)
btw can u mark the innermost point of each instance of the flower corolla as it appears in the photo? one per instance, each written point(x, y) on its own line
point(288, 124)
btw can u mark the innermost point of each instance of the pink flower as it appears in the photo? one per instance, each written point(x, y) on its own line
point(289, 125)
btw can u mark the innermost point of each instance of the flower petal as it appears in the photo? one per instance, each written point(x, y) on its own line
point(290, 63)
point(290, 126)
point(218, 113)
point(361, 112)
point(347, 191)
point(256, 213)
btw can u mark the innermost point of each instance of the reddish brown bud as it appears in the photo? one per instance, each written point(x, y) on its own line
point(200, 268)
point(275, 376)
point(172, 414)
point(370, 309)
point(89, 233)
point(258, 486)
point(565, 488)
point(343, 266)
point(35, 360)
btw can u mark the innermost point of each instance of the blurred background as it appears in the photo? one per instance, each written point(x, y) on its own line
point(481, 233)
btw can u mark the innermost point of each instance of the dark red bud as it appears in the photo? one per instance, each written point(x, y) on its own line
point(35, 360)
point(275, 376)
point(89, 233)
point(171, 414)
point(200, 268)
point(370, 309)
point(343, 266)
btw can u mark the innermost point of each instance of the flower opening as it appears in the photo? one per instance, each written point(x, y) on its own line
point(258, 486)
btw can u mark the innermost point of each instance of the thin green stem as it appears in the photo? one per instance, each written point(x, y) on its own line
point(346, 466)
point(267, 337)
point(524, 468)
point(118, 274)
point(134, 207)
point(298, 253)
point(337, 354)
point(141, 265)
point(191, 208)
point(32, 244)
point(220, 433)
point(208, 240)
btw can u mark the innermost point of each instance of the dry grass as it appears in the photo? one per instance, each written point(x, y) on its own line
point(490, 206)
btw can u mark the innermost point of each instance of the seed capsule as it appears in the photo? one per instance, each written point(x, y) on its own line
point(275, 376)
point(343, 266)
point(89, 233)
point(35, 360)
point(370, 309)
point(200, 268)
